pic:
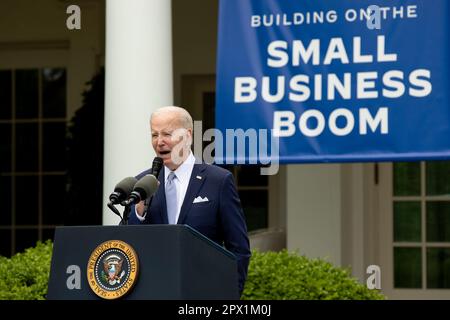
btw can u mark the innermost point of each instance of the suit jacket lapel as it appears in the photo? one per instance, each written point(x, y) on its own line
point(194, 186)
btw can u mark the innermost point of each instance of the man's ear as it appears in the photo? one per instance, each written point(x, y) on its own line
point(190, 135)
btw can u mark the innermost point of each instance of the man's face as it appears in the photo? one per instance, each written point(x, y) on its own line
point(170, 140)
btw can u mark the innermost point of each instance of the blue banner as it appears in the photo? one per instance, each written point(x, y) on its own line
point(334, 80)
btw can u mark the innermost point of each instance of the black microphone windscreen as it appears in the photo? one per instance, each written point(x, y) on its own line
point(146, 186)
point(125, 187)
point(157, 166)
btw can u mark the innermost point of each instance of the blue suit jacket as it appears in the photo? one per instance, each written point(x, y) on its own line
point(221, 219)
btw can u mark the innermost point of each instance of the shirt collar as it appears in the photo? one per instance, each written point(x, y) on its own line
point(183, 172)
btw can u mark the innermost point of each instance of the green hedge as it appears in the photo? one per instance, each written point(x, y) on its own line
point(25, 275)
point(271, 275)
point(289, 276)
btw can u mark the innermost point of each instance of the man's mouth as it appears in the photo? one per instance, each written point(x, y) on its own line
point(164, 153)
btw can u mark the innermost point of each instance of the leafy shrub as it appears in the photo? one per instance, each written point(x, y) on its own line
point(25, 275)
point(289, 276)
point(271, 275)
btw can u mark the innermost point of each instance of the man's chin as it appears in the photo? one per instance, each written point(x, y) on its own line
point(166, 159)
point(169, 164)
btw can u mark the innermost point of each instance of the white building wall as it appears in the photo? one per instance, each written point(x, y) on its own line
point(332, 214)
point(314, 214)
point(355, 215)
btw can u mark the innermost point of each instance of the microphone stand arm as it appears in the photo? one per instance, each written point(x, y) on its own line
point(114, 209)
point(126, 213)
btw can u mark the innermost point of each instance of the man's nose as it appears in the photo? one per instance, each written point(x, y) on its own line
point(160, 141)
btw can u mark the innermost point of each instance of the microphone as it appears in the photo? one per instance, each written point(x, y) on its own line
point(144, 188)
point(122, 190)
point(147, 185)
point(157, 166)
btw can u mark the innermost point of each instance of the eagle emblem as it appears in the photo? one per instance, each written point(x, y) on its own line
point(112, 269)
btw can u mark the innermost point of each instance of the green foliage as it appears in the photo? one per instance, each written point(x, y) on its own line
point(289, 276)
point(25, 275)
point(271, 275)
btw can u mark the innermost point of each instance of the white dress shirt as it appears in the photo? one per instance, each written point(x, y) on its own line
point(183, 175)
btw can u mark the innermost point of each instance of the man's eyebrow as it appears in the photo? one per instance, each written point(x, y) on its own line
point(163, 131)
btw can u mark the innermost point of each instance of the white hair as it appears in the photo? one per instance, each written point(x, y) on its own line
point(184, 116)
